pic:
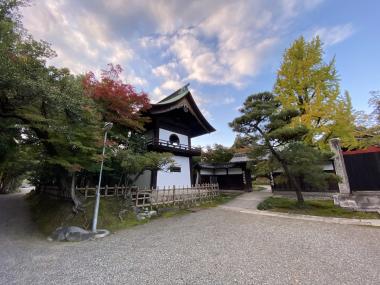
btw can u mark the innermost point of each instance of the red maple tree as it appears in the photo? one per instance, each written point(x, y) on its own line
point(120, 102)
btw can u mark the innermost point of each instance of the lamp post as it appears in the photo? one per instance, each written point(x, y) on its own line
point(107, 127)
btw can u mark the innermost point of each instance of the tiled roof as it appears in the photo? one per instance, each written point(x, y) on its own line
point(177, 95)
point(240, 157)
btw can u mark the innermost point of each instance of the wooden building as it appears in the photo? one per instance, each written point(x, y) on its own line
point(232, 175)
point(175, 120)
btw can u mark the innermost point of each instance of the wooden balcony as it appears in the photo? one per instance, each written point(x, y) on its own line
point(164, 145)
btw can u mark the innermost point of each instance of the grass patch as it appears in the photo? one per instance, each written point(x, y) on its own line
point(219, 200)
point(171, 212)
point(324, 208)
point(257, 188)
point(50, 214)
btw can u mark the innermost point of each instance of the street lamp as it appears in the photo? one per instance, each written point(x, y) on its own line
point(107, 127)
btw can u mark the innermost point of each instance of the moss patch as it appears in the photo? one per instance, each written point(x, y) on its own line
point(257, 188)
point(324, 208)
point(219, 200)
point(49, 214)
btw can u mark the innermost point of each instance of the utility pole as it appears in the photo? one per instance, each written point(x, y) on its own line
point(107, 127)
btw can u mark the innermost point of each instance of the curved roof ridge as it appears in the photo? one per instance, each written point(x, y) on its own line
point(174, 101)
point(176, 95)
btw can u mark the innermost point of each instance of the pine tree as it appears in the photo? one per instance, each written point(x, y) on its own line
point(268, 129)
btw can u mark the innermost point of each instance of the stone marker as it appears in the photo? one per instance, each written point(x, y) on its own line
point(340, 167)
point(75, 234)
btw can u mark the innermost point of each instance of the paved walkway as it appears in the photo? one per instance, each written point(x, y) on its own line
point(15, 221)
point(213, 246)
point(248, 201)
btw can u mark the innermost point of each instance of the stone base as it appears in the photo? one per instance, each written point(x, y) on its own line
point(359, 201)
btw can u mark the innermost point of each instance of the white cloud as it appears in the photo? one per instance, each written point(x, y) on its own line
point(228, 100)
point(82, 40)
point(157, 95)
point(206, 114)
point(167, 71)
point(217, 42)
point(136, 80)
point(199, 98)
point(172, 85)
point(333, 35)
point(293, 7)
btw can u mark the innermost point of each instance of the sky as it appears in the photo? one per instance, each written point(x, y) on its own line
point(225, 49)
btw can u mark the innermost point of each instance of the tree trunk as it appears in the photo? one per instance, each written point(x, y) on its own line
point(292, 180)
point(294, 183)
point(9, 183)
point(78, 206)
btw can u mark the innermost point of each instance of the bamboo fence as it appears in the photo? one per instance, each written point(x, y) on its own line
point(156, 197)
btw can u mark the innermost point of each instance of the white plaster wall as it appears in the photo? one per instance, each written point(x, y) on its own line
point(165, 134)
point(220, 172)
point(178, 179)
point(207, 172)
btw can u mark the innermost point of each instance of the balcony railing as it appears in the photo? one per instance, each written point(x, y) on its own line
point(164, 144)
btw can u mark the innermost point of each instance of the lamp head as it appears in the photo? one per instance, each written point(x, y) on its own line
point(107, 126)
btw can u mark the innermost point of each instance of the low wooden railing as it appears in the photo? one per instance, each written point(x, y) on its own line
point(156, 197)
point(168, 144)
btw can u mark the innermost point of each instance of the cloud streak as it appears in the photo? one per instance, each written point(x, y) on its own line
point(334, 35)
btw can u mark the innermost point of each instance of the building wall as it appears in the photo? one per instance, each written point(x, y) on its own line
point(165, 134)
point(183, 178)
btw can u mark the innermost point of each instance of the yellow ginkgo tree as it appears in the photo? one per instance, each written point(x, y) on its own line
point(311, 86)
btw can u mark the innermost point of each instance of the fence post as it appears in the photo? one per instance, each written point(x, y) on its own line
point(105, 191)
point(137, 196)
point(156, 194)
point(85, 192)
point(173, 194)
point(163, 196)
point(187, 195)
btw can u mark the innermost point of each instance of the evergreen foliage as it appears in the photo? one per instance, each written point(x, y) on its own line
point(277, 143)
point(217, 154)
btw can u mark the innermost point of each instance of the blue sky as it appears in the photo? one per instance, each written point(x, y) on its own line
point(225, 49)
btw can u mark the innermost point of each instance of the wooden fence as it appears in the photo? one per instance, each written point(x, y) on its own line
point(156, 197)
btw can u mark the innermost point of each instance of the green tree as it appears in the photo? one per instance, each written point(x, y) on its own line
point(311, 86)
point(374, 102)
point(273, 138)
point(217, 154)
point(368, 125)
point(41, 107)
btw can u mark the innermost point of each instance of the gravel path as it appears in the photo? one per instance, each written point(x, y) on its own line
point(212, 246)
